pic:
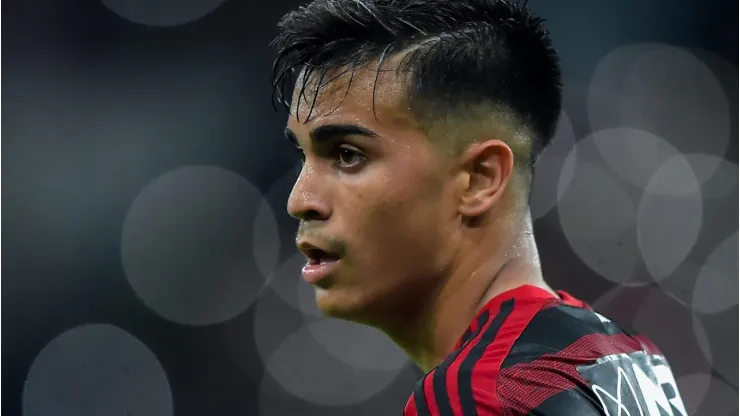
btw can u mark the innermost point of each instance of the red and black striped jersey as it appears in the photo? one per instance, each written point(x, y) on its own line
point(528, 352)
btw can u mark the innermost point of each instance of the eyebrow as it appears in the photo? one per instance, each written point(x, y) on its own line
point(329, 132)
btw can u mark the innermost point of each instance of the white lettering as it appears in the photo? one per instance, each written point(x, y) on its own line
point(602, 318)
point(665, 376)
point(645, 385)
point(653, 393)
point(620, 403)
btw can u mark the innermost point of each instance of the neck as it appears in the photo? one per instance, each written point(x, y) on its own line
point(476, 278)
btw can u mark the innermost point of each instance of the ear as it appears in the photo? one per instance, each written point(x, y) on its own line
point(488, 166)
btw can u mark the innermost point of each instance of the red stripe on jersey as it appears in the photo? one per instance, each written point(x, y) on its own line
point(487, 367)
point(449, 395)
point(523, 387)
point(569, 300)
point(429, 393)
point(410, 408)
point(478, 327)
point(453, 371)
point(525, 293)
point(529, 300)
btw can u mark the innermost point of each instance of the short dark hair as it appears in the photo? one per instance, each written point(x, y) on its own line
point(463, 53)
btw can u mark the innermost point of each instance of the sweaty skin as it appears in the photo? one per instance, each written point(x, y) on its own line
point(426, 236)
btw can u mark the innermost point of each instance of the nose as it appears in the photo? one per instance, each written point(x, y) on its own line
point(307, 200)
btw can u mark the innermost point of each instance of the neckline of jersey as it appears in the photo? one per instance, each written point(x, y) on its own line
point(524, 293)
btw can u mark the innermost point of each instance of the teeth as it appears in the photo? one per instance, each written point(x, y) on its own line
point(314, 257)
point(319, 257)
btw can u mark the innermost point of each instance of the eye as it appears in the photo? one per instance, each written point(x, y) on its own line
point(349, 157)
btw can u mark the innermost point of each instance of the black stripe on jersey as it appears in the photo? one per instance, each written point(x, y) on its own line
point(554, 328)
point(465, 375)
point(466, 335)
point(420, 400)
point(439, 381)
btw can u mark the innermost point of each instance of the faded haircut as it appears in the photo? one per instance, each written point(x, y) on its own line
point(465, 59)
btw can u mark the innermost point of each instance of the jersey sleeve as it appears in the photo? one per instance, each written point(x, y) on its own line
point(566, 402)
point(512, 397)
point(541, 390)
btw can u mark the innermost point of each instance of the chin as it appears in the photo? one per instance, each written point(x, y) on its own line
point(335, 303)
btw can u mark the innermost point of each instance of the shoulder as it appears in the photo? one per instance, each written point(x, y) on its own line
point(499, 370)
point(464, 383)
point(524, 357)
point(525, 331)
point(566, 352)
point(535, 365)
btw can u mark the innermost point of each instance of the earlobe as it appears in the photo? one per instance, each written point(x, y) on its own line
point(488, 166)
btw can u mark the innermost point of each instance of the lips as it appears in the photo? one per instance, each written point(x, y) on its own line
point(320, 263)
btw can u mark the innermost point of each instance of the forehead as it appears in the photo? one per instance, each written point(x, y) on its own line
point(376, 99)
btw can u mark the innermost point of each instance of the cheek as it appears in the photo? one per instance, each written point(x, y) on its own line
point(398, 223)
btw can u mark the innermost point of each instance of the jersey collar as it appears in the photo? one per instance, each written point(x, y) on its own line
point(524, 293)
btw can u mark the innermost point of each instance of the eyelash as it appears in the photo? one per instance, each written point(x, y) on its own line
point(336, 155)
point(353, 152)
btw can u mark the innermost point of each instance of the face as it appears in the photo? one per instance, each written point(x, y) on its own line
point(375, 199)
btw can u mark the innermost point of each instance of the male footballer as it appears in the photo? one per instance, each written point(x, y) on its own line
point(419, 122)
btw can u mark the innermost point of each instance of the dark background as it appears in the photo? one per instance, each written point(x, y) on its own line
point(148, 264)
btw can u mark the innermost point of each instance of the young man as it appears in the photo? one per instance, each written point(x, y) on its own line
point(419, 122)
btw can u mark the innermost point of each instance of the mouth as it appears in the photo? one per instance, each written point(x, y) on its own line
point(317, 256)
point(319, 265)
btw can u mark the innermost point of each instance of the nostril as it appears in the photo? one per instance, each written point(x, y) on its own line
point(311, 215)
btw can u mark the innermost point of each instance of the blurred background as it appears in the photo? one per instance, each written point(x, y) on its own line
point(149, 267)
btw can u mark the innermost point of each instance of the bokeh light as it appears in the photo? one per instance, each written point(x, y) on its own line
point(96, 369)
point(720, 400)
point(275, 400)
point(717, 285)
point(663, 90)
point(720, 348)
point(307, 299)
point(320, 360)
point(186, 243)
point(605, 85)
point(266, 240)
point(681, 282)
point(274, 320)
point(358, 345)
point(635, 155)
point(307, 370)
point(646, 310)
point(694, 389)
point(718, 177)
point(671, 93)
point(597, 215)
point(551, 167)
point(162, 12)
point(595, 205)
point(287, 283)
point(669, 217)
